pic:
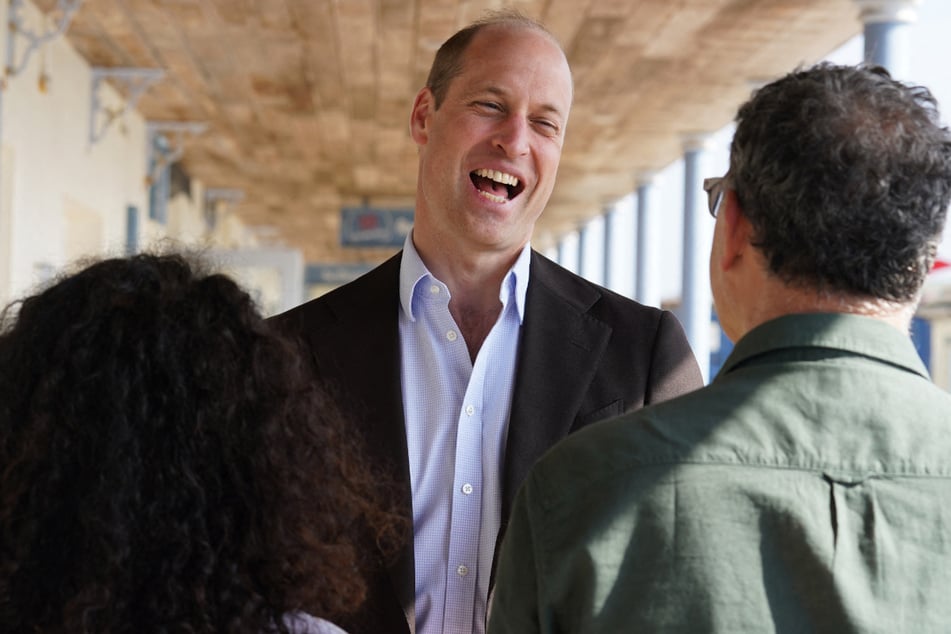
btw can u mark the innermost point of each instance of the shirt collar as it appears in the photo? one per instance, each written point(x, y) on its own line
point(413, 270)
point(858, 334)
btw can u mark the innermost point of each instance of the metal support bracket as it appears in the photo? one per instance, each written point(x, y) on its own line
point(215, 198)
point(226, 195)
point(135, 81)
point(174, 133)
point(217, 201)
point(67, 10)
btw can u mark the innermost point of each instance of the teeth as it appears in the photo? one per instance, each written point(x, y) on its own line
point(493, 197)
point(497, 176)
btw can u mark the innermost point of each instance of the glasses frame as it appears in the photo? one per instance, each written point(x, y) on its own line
point(715, 188)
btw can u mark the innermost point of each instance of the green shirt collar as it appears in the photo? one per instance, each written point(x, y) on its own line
point(841, 331)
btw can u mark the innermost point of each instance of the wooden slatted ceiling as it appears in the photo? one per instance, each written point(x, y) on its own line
point(308, 100)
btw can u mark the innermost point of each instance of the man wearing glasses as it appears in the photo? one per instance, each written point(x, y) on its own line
point(714, 187)
point(806, 488)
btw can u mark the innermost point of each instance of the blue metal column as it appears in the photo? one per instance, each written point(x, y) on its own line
point(591, 250)
point(568, 252)
point(886, 33)
point(621, 234)
point(131, 230)
point(647, 288)
point(610, 230)
point(561, 252)
point(573, 251)
point(584, 237)
point(697, 299)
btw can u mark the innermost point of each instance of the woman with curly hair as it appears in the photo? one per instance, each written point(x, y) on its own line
point(166, 466)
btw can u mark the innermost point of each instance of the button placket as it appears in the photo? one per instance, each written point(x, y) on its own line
point(466, 514)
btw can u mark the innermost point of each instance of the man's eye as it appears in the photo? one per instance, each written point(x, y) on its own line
point(489, 105)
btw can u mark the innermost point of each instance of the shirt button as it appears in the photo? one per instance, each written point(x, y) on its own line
point(467, 488)
point(434, 289)
point(462, 571)
point(470, 410)
point(451, 335)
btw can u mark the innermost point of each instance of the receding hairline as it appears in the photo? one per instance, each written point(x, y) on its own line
point(508, 28)
point(452, 55)
point(510, 19)
point(513, 22)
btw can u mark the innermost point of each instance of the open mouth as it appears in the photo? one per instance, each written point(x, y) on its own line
point(495, 185)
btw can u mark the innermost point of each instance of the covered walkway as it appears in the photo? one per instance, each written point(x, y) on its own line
point(273, 133)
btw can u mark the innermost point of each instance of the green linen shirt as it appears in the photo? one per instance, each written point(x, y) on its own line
point(807, 489)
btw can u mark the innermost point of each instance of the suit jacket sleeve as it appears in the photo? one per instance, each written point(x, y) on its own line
point(673, 368)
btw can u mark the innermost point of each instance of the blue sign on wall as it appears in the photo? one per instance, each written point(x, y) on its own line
point(372, 227)
point(335, 274)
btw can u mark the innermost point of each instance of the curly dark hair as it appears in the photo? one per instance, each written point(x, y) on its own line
point(167, 465)
point(450, 57)
point(845, 175)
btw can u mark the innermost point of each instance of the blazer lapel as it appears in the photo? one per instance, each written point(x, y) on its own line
point(367, 358)
point(558, 356)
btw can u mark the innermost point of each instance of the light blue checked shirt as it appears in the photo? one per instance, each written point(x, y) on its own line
point(457, 416)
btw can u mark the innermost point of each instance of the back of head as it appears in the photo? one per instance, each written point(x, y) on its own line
point(845, 175)
point(165, 461)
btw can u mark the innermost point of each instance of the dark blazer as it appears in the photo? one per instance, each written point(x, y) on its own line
point(585, 354)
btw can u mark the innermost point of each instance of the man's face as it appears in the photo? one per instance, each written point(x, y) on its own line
point(488, 155)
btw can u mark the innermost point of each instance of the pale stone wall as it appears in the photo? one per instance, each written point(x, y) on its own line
point(64, 197)
point(61, 198)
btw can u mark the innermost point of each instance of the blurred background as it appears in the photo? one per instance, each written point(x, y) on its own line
point(272, 135)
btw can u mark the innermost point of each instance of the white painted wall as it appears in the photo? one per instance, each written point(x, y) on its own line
point(63, 197)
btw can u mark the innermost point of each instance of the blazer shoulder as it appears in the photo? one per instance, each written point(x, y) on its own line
point(591, 298)
point(652, 339)
point(378, 287)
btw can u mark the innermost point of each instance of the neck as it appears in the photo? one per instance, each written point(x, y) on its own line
point(474, 278)
point(777, 299)
point(475, 282)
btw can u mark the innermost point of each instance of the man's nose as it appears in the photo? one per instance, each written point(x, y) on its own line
point(512, 136)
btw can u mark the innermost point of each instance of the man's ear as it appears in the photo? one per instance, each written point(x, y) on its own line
point(423, 107)
point(737, 231)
